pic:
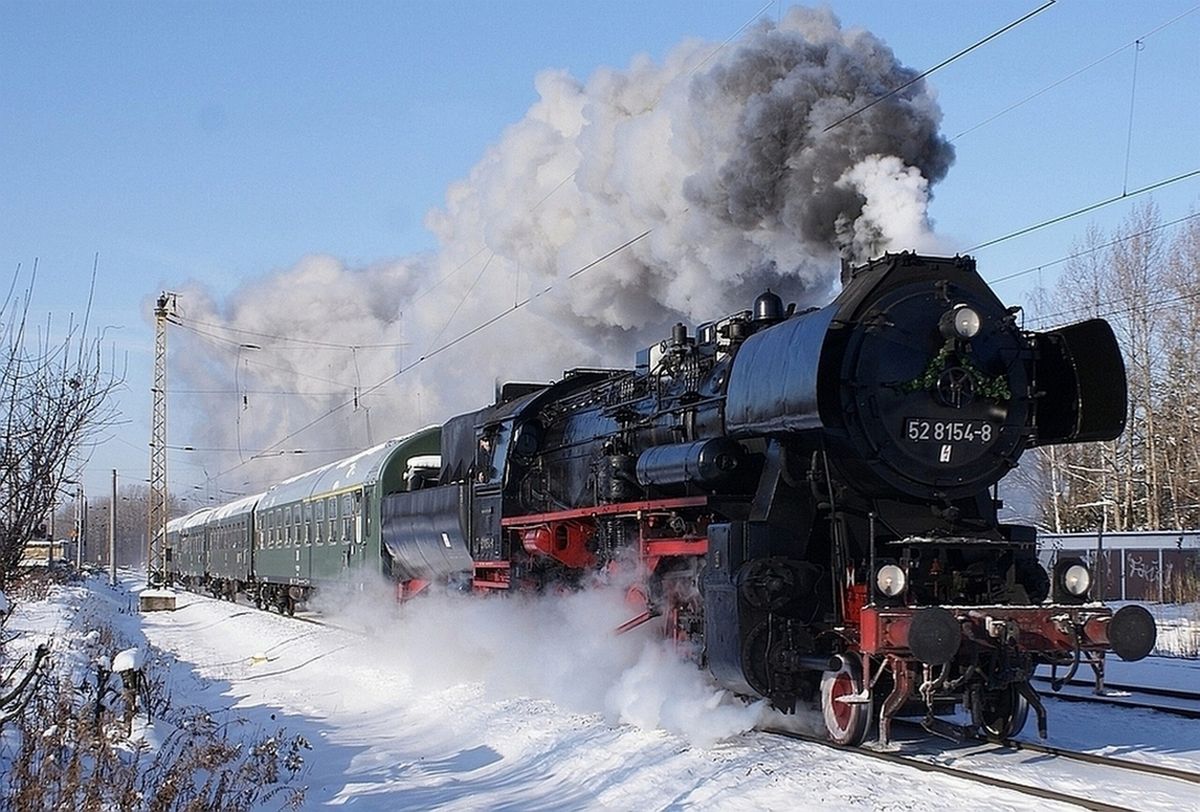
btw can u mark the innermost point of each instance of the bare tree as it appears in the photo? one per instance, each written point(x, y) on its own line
point(55, 394)
point(1180, 425)
point(1147, 286)
point(133, 504)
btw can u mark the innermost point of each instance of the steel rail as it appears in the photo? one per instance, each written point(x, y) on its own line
point(1149, 690)
point(966, 775)
point(1123, 702)
point(1075, 755)
point(1104, 761)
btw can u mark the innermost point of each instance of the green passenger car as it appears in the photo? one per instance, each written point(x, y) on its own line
point(230, 533)
point(322, 527)
point(187, 543)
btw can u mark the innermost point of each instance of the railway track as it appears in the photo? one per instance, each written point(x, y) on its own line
point(931, 762)
point(1105, 761)
point(925, 765)
point(1128, 696)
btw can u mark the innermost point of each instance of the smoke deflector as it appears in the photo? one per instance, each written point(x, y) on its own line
point(1081, 378)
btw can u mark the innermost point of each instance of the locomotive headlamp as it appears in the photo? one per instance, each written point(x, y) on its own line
point(1077, 579)
point(1072, 580)
point(961, 321)
point(890, 580)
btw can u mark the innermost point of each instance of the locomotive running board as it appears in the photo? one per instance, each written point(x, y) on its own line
point(604, 510)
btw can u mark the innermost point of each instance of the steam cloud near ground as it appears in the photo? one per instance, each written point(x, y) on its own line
point(722, 154)
point(562, 648)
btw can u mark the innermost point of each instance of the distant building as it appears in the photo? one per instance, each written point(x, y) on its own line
point(43, 552)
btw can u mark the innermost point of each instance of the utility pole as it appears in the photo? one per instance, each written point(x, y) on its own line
point(80, 512)
point(156, 530)
point(112, 534)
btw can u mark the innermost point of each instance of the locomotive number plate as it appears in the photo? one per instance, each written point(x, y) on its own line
point(924, 430)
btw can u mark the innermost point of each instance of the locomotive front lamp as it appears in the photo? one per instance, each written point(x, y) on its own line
point(890, 580)
point(961, 321)
point(1072, 580)
point(1077, 579)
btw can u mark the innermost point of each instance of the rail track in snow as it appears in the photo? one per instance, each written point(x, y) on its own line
point(1174, 701)
point(958, 764)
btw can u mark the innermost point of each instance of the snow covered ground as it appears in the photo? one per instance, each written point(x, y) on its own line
point(511, 704)
point(1178, 629)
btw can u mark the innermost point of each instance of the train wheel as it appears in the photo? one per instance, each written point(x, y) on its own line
point(847, 722)
point(1003, 713)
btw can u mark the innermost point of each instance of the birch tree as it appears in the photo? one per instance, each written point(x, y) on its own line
point(1146, 283)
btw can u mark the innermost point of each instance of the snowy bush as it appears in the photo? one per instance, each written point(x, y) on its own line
point(96, 730)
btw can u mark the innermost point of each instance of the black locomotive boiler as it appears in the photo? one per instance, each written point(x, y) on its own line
point(803, 500)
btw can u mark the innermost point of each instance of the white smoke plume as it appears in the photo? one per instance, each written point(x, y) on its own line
point(561, 648)
point(725, 156)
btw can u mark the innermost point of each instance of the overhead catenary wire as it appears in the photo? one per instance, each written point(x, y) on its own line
point(1075, 73)
point(212, 337)
point(1137, 50)
point(1091, 250)
point(199, 449)
point(462, 300)
point(1069, 215)
point(940, 65)
point(446, 346)
point(187, 323)
point(287, 392)
point(730, 38)
point(1112, 307)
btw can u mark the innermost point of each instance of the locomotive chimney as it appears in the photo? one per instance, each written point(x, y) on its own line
point(679, 334)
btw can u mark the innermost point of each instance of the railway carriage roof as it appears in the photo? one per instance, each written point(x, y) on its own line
point(364, 468)
point(193, 519)
point(236, 509)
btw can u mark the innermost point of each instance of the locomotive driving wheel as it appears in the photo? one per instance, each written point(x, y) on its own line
point(1002, 713)
point(847, 713)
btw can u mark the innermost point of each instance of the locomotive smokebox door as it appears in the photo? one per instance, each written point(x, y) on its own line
point(932, 382)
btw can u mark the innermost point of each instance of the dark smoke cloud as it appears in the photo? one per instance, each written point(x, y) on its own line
point(787, 152)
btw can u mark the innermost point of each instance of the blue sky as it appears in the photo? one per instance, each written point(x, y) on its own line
point(221, 141)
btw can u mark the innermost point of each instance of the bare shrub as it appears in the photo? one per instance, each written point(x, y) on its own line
point(71, 747)
point(54, 397)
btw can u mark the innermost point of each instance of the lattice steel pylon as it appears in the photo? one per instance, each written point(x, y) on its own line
point(156, 525)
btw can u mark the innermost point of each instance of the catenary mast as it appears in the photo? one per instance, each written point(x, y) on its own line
point(156, 530)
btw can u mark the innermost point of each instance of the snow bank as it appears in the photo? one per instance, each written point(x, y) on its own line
point(1178, 629)
point(130, 659)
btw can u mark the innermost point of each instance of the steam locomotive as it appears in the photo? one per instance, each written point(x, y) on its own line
point(803, 501)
